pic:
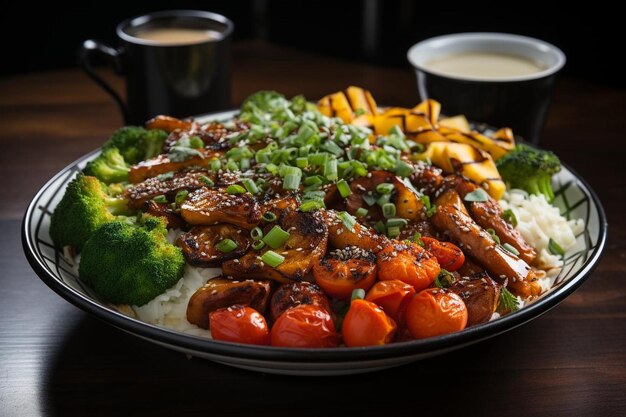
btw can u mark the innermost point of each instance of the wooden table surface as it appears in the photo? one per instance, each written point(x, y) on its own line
point(57, 360)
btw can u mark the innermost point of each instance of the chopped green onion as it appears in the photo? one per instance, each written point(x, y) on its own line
point(232, 165)
point(314, 195)
point(417, 238)
point(509, 217)
point(430, 208)
point(302, 162)
point(250, 186)
point(291, 181)
point(493, 234)
point(359, 112)
point(389, 210)
point(384, 188)
point(256, 233)
point(311, 205)
point(403, 169)
point(235, 189)
point(330, 170)
point(361, 212)
point(258, 244)
point(396, 222)
point(344, 188)
point(507, 302)
point(369, 199)
point(159, 199)
point(332, 147)
point(383, 199)
point(181, 196)
point(555, 248)
point(216, 165)
point(226, 246)
point(272, 168)
point(206, 180)
point(510, 249)
point(357, 294)
point(478, 195)
point(195, 142)
point(318, 159)
point(380, 227)
point(393, 231)
point(268, 216)
point(272, 258)
point(347, 219)
point(276, 237)
point(444, 279)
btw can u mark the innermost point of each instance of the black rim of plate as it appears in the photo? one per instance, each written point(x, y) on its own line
point(306, 355)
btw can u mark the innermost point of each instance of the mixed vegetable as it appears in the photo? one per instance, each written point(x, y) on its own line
point(336, 223)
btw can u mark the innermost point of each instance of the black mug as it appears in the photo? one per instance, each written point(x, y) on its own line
point(519, 102)
point(176, 78)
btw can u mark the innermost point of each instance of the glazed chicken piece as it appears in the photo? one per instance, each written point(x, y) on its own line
point(199, 244)
point(452, 219)
point(480, 294)
point(169, 124)
point(340, 237)
point(162, 164)
point(209, 206)
point(223, 292)
point(308, 236)
point(185, 180)
point(297, 293)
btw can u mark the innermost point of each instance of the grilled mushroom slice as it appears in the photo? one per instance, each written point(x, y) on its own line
point(208, 206)
point(480, 294)
point(199, 244)
point(222, 292)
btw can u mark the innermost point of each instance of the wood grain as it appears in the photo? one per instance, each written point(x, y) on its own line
point(56, 360)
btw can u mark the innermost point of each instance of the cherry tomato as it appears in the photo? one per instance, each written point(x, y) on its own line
point(434, 312)
point(305, 326)
point(239, 324)
point(338, 278)
point(407, 262)
point(366, 324)
point(448, 254)
point(392, 296)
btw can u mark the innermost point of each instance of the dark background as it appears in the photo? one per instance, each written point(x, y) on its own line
point(375, 31)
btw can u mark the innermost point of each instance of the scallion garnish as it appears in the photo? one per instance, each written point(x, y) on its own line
point(478, 195)
point(195, 142)
point(330, 170)
point(417, 238)
point(389, 210)
point(276, 237)
point(384, 188)
point(302, 162)
point(343, 188)
point(291, 182)
point(393, 232)
point(226, 246)
point(268, 216)
point(509, 217)
point(493, 234)
point(380, 227)
point(206, 180)
point(369, 199)
point(235, 189)
point(357, 294)
point(510, 249)
point(311, 205)
point(258, 245)
point(250, 186)
point(361, 212)
point(272, 258)
point(256, 233)
point(180, 197)
point(160, 199)
point(555, 248)
point(396, 222)
point(347, 219)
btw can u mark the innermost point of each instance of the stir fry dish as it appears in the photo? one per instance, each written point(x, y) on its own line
point(295, 224)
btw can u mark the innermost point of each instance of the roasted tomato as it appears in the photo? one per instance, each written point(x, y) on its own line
point(345, 270)
point(239, 324)
point(198, 244)
point(366, 324)
point(306, 244)
point(305, 326)
point(434, 312)
point(407, 262)
point(392, 296)
point(222, 292)
point(449, 256)
point(294, 294)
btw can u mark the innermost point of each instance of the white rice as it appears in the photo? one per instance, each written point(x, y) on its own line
point(538, 221)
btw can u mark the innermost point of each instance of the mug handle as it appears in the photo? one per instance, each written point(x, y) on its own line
point(113, 56)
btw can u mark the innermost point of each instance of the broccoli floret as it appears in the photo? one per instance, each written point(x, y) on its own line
point(85, 206)
point(136, 144)
point(131, 263)
point(530, 169)
point(109, 166)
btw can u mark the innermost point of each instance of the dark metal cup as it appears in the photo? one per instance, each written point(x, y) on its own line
point(164, 78)
point(519, 102)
